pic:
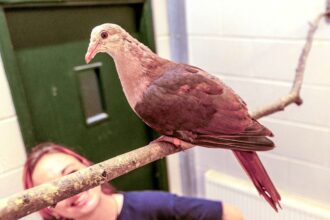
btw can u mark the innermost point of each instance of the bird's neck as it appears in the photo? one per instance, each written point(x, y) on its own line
point(137, 67)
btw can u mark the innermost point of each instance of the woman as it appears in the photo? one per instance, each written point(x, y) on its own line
point(50, 161)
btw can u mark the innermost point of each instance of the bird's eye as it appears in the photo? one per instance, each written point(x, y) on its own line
point(104, 35)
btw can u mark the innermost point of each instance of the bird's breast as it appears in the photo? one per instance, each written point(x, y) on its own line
point(133, 84)
point(136, 73)
point(134, 93)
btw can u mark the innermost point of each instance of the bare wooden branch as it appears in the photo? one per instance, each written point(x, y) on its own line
point(48, 194)
point(294, 95)
point(34, 199)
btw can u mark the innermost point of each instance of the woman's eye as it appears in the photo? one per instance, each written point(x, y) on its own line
point(72, 171)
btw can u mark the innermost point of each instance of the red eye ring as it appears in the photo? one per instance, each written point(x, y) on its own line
point(104, 35)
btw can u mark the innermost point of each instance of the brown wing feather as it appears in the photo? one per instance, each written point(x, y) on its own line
point(187, 103)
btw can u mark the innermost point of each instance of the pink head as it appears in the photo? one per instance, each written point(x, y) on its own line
point(106, 38)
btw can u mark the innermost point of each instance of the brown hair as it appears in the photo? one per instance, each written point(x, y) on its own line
point(47, 148)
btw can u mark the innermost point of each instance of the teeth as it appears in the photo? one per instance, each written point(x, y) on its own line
point(79, 199)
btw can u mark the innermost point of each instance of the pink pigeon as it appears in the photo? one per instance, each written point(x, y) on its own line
point(185, 104)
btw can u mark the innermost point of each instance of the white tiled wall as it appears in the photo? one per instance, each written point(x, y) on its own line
point(12, 151)
point(7, 107)
point(254, 47)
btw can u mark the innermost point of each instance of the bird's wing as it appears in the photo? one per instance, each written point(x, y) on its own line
point(188, 103)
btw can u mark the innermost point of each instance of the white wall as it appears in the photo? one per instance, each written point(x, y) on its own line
point(12, 151)
point(253, 46)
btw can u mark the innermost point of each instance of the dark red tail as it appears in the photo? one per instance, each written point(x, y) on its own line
point(256, 171)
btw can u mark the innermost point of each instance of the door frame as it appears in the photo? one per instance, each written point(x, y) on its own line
point(11, 67)
point(16, 82)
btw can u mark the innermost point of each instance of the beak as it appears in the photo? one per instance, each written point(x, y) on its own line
point(91, 52)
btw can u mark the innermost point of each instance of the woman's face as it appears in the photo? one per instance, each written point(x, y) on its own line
point(55, 165)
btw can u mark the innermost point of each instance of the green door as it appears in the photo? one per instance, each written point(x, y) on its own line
point(69, 102)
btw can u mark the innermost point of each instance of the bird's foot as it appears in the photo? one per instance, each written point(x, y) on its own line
point(175, 141)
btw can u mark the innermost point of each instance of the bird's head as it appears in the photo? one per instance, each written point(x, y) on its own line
point(105, 38)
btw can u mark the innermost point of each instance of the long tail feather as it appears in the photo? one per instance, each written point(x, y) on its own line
point(257, 173)
point(244, 143)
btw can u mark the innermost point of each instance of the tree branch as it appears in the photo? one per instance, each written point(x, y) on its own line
point(48, 194)
point(294, 95)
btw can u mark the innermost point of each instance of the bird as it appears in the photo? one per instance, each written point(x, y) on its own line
point(185, 104)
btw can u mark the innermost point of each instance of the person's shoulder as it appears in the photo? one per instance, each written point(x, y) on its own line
point(149, 195)
point(146, 205)
point(196, 208)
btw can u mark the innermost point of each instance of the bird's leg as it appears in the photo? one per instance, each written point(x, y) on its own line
point(175, 141)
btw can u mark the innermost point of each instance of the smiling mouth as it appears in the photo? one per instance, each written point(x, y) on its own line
point(80, 201)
